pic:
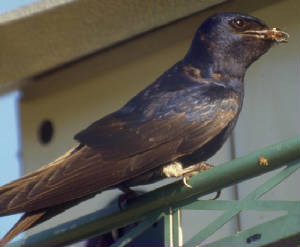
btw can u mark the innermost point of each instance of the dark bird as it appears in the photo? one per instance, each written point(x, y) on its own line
point(166, 130)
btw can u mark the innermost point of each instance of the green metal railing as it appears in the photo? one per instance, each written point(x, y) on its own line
point(167, 201)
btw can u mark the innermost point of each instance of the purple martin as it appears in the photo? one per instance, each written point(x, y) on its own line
point(167, 130)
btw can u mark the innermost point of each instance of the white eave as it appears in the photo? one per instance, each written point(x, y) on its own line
point(49, 33)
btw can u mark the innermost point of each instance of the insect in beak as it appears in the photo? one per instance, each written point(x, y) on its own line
point(272, 34)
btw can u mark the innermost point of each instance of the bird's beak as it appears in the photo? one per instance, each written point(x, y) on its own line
point(273, 34)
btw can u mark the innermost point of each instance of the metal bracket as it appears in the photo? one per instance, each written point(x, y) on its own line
point(286, 227)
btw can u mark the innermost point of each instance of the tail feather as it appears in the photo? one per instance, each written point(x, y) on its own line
point(27, 221)
point(34, 218)
point(13, 196)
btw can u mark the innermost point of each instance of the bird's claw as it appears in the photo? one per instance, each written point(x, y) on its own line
point(128, 195)
point(187, 177)
point(176, 170)
point(193, 170)
point(184, 180)
point(218, 193)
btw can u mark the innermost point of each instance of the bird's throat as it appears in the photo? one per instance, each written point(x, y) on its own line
point(216, 62)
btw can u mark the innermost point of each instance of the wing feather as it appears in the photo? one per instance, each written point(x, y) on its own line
point(86, 170)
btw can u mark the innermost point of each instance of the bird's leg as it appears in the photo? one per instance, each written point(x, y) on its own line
point(128, 194)
point(176, 170)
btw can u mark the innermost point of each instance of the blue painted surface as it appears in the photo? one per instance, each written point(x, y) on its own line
point(7, 5)
point(9, 152)
point(10, 165)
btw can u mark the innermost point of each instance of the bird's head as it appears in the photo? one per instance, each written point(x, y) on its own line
point(230, 42)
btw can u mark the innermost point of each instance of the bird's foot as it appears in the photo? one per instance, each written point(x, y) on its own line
point(176, 170)
point(193, 170)
point(128, 195)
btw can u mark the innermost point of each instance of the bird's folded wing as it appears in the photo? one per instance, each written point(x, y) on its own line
point(129, 153)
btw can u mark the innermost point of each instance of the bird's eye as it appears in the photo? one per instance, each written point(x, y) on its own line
point(239, 22)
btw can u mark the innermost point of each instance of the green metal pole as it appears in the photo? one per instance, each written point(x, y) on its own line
point(204, 183)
